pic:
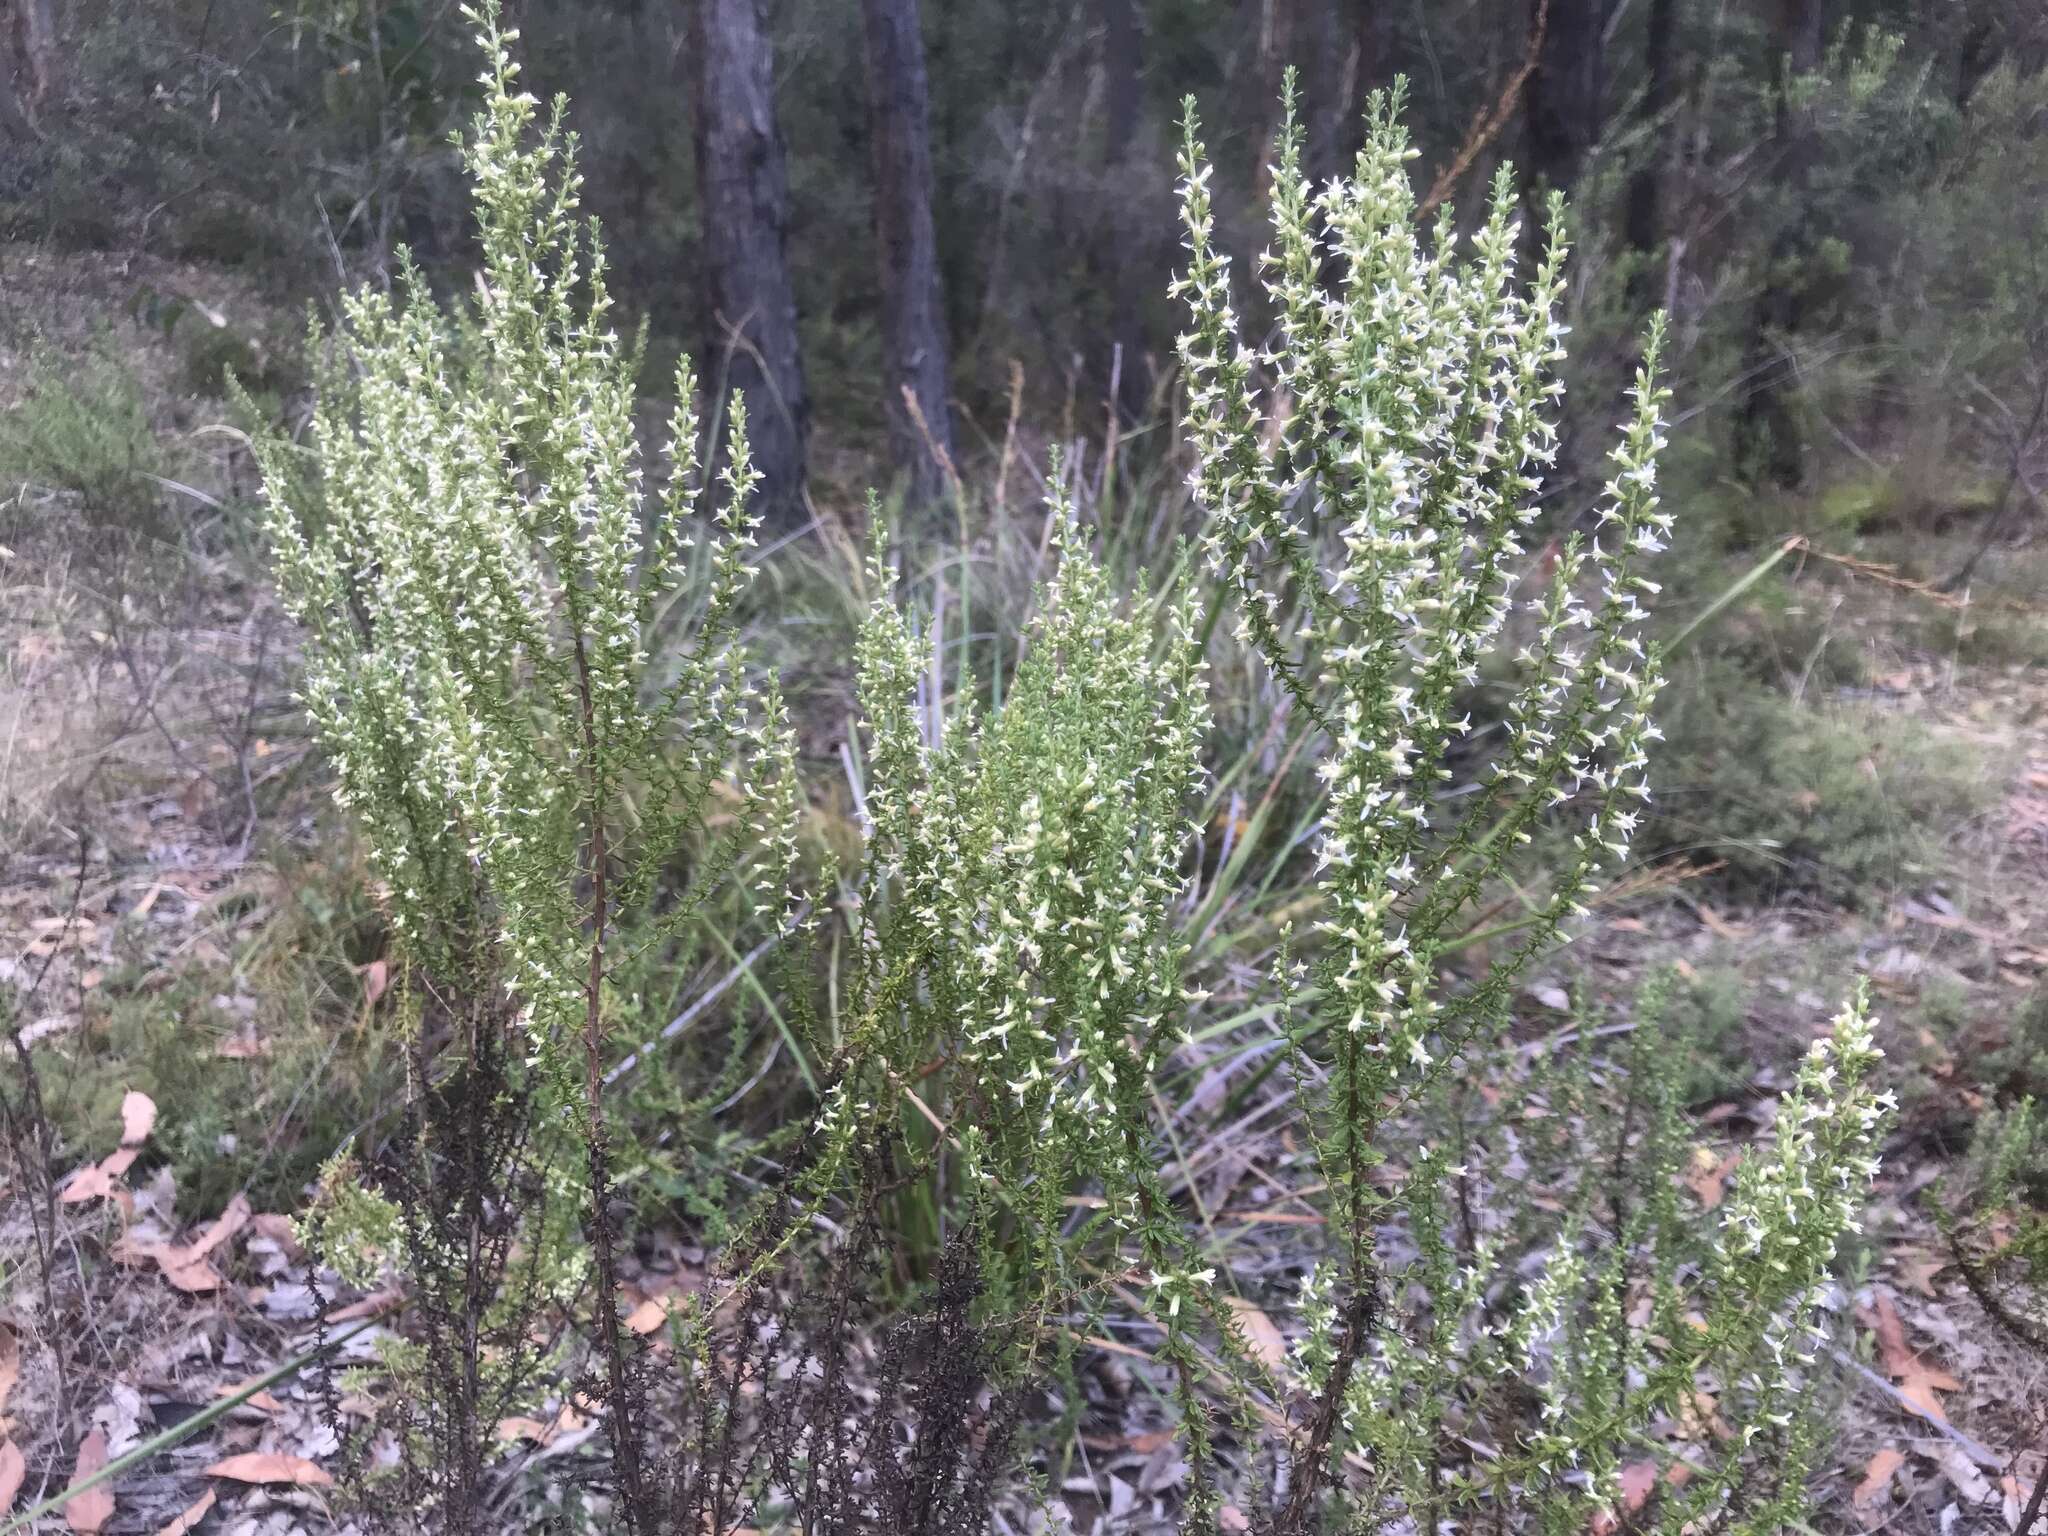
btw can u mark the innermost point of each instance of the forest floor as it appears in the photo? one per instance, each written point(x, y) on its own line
point(186, 925)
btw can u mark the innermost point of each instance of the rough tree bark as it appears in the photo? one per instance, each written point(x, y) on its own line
point(751, 341)
point(913, 306)
point(1369, 65)
point(1304, 35)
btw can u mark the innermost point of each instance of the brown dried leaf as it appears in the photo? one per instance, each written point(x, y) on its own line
point(280, 1230)
point(1918, 1381)
point(262, 1400)
point(10, 1361)
point(187, 1267)
point(95, 1181)
point(224, 1226)
point(1267, 1343)
point(119, 1161)
point(370, 1306)
point(1720, 925)
point(567, 1421)
point(1917, 1271)
point(189, 1521)
point(195, 1277)
point(1877, 1476)
point(92, 1182)
point(651, 1314)
point(1638, 1481)
point(376, 977)
point(89, 1512)
point(272, 1467)
point(1710, 1174)
point(13, 1469)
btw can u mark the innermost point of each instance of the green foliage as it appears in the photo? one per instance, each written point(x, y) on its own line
point(531, 689)
point(1706, 1017)
point(1995, 1214)
point(1369, 535)
point(1017, 902)
point(2019, 1067)
point(482, 581)
point(84, 428)
point(1834, 800)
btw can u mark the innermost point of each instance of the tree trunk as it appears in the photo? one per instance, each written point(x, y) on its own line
point(1369, 65)
point(45, 59)
point(1770, 442)
point(15, 122)
point(30, 61)
point(1643, 217)
point(913, 308)
point(1127, 368)
point(750, 304)
point(1562, 102)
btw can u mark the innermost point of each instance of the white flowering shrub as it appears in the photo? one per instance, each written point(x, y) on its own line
point(526, 668)
point(1015, 922)
point(480, 574)
point(1369, 479)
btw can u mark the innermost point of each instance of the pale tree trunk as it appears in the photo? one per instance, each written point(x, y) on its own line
point(913, 308)
point(750, 304)
point(1368, 67)
point(1563, 115)
point(30, 65)
point(1304, 35)
point(1122, 65)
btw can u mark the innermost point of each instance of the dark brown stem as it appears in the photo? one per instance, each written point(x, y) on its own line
point(1148, 1206)
point(620, 1386)
point(1314, 1459)
point(2033, 1510)
point(31, 1122)
point(1999, 1313)
point(1359, 1317)
point(2014, 480)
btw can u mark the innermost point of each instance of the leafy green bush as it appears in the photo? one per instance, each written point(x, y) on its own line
point(1832, 800)
point(530, 683)
point(1995, 1215)
point(2019, 1067)
point(84, 428)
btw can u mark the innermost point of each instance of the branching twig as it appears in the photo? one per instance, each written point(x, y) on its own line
point(1487, 126)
